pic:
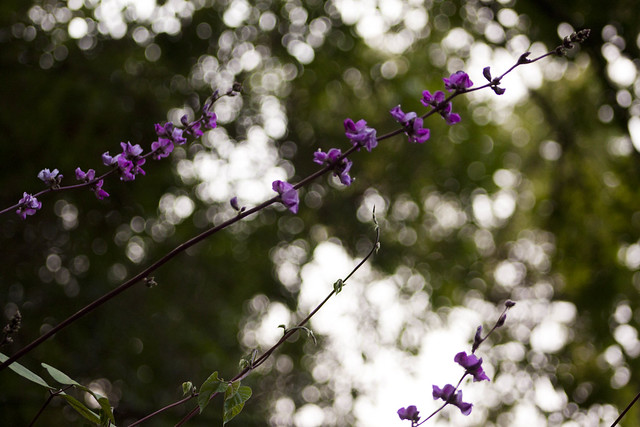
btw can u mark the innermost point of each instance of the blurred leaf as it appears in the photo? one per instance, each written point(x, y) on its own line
point(81, 409)
point(25, 373)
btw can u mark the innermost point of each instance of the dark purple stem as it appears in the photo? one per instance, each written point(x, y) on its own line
point(173, 405)
point(635, 399)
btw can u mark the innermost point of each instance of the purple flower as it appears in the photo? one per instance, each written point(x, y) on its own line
point(402, 117)
point(432, 100)
point(164, 130)
point(452, 118)
point(192, 128)
point(409, 413)
point(89, 176)
point(51, 178)
point(343, 172)
point(288, 194)
point(447, 394)
point(107, 160)
point(472, 364)
point(458, 81)
point(330, 158)
point(28, 205)
point(360, 134)
point(436, 101)
point(99, 192)
point(129, 161)
point(412, 125)
point(86, 177)
point(209, 118)
point(416, 132)
point(161, 148)
point(129, 150)
point(169, 131)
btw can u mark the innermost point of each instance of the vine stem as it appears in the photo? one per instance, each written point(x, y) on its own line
point(173, 405)
point(635, 399)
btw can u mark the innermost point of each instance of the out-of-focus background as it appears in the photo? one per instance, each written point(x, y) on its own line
point(532, 197)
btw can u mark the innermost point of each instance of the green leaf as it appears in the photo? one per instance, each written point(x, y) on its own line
point(61, 377)
point(81, 409)
point(107, 412)
point(213, 384)
point(25, 373)
point(234, 400)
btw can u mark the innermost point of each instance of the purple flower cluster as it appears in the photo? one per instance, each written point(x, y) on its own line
point(129, 162)
point(412, 125)
point(458, 82)
point(472, 365)
point(437, 101)
point(341, 167)
point(168, 135)
point(360, 134)
point(89, 176)
point(208, 120)
point(288, 194)
point(449, 395)
point(28, 205)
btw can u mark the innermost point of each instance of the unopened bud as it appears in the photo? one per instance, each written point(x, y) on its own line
point(523, 58)
point(477, 339)
point(486, 72)
point(501, 320)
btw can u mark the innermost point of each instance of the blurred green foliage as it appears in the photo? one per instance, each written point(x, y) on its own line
point(556, 165)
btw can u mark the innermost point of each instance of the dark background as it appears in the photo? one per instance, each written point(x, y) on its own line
point(65, 101)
